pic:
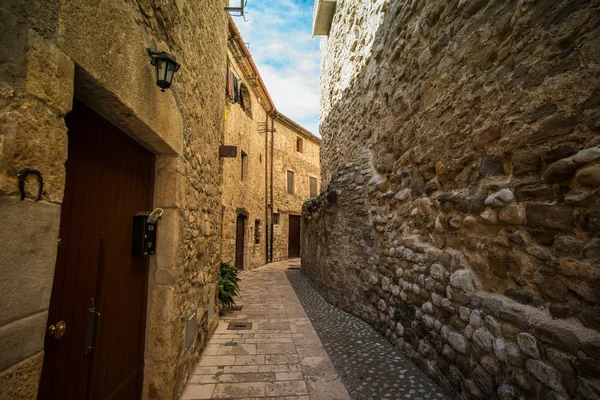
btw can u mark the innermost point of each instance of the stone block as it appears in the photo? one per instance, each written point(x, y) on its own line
point(547, 374)
point(166, 261)
point(528, 344)
point(484, 380)
point(560, 171)
point(587, 156)
point(50, 73)
point(165, 305)
point(30, 240)
point(458, 342)
point(491, 166)
point(22, 339)
point(462, 279)
point(159, 377)
point(588, 389)
point(589, 176)
point(164, 341)
point(483, 339)
point(170, 183)
point(21, 381)
point(552, 217)
point(513, 214)
point(33, 136)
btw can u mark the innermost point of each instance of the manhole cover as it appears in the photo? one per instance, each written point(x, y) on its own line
point(239, 326)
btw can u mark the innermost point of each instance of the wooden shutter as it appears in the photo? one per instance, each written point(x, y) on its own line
point(313, 187)
point(290, 182)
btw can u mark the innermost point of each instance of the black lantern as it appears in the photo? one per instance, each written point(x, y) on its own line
point(166, 66)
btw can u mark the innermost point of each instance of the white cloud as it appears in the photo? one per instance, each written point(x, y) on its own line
point(280, 41)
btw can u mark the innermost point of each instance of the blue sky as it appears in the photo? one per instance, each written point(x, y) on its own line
point(279, 36)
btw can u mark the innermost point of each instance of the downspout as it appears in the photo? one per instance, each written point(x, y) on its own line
point(272, 205)
point(267, 219)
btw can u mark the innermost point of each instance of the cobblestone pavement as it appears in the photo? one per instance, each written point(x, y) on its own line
point(370, 367)
point(279, 358)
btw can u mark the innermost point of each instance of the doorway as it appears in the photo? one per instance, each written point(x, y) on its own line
point(239, 241)
point(294, 237)
point(100, 290)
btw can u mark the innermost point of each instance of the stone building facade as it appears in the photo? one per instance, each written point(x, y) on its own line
point(459, 213)
point(244, 176)
point(303, 163)
point(266, 145)
point(66, 60)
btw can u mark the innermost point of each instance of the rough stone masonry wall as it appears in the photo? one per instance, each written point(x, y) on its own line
point(246, 130)
point(460, 213)
point(96, 50)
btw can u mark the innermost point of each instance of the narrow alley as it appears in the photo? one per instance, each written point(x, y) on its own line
point(281, 355)
point(300, 199)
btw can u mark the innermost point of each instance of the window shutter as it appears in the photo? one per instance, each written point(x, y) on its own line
point(290, 182)
point(313, 187)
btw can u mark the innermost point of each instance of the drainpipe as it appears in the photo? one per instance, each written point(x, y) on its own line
point(267, 219)
point(272, 204)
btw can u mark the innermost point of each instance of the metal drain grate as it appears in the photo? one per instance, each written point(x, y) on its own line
point(231, 344)
point(233, 308)
point(239, 326)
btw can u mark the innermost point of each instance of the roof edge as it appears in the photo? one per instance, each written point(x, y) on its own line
point(273, 110)
point(238, 38)
point(296, 127)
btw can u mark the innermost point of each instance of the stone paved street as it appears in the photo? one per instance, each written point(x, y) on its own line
point(281, 357)
point(370, 367)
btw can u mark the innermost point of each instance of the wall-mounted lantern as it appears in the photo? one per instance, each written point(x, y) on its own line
point(166, 66)
point(236, 6)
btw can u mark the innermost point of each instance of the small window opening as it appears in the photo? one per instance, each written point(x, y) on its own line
point(276, 219)
point(299, 145)
point(244, 166)
point(290, 182)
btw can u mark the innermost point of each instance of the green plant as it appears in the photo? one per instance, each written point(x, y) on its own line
point(228, 284)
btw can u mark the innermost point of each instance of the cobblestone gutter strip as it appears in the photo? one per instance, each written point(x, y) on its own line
point(367, 363)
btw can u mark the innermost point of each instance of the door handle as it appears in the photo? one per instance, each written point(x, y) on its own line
point(93, 321)
point(57, 330)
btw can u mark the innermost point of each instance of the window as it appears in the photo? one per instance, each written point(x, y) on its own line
point(244, 165)
point(313, 186)
point(290, 182)
point(299, 145)
point(276, 219)
point(257, 231)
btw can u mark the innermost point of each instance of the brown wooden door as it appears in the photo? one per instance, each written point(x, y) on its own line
point(109, 179)
point(294, 236)
point(239, 241)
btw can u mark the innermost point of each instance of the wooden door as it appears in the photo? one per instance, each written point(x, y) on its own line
point(239, 241)
point(294, 236)
point(109, 179)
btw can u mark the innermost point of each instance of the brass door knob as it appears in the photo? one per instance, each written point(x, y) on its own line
point(57, 330)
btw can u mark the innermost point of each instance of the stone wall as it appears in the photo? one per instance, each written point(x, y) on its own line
point(96, 51)
point(245, 129)
point(351, 39)
point(460, 208)
point(304, 164)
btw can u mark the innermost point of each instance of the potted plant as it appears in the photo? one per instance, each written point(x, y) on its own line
point(228, 284)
